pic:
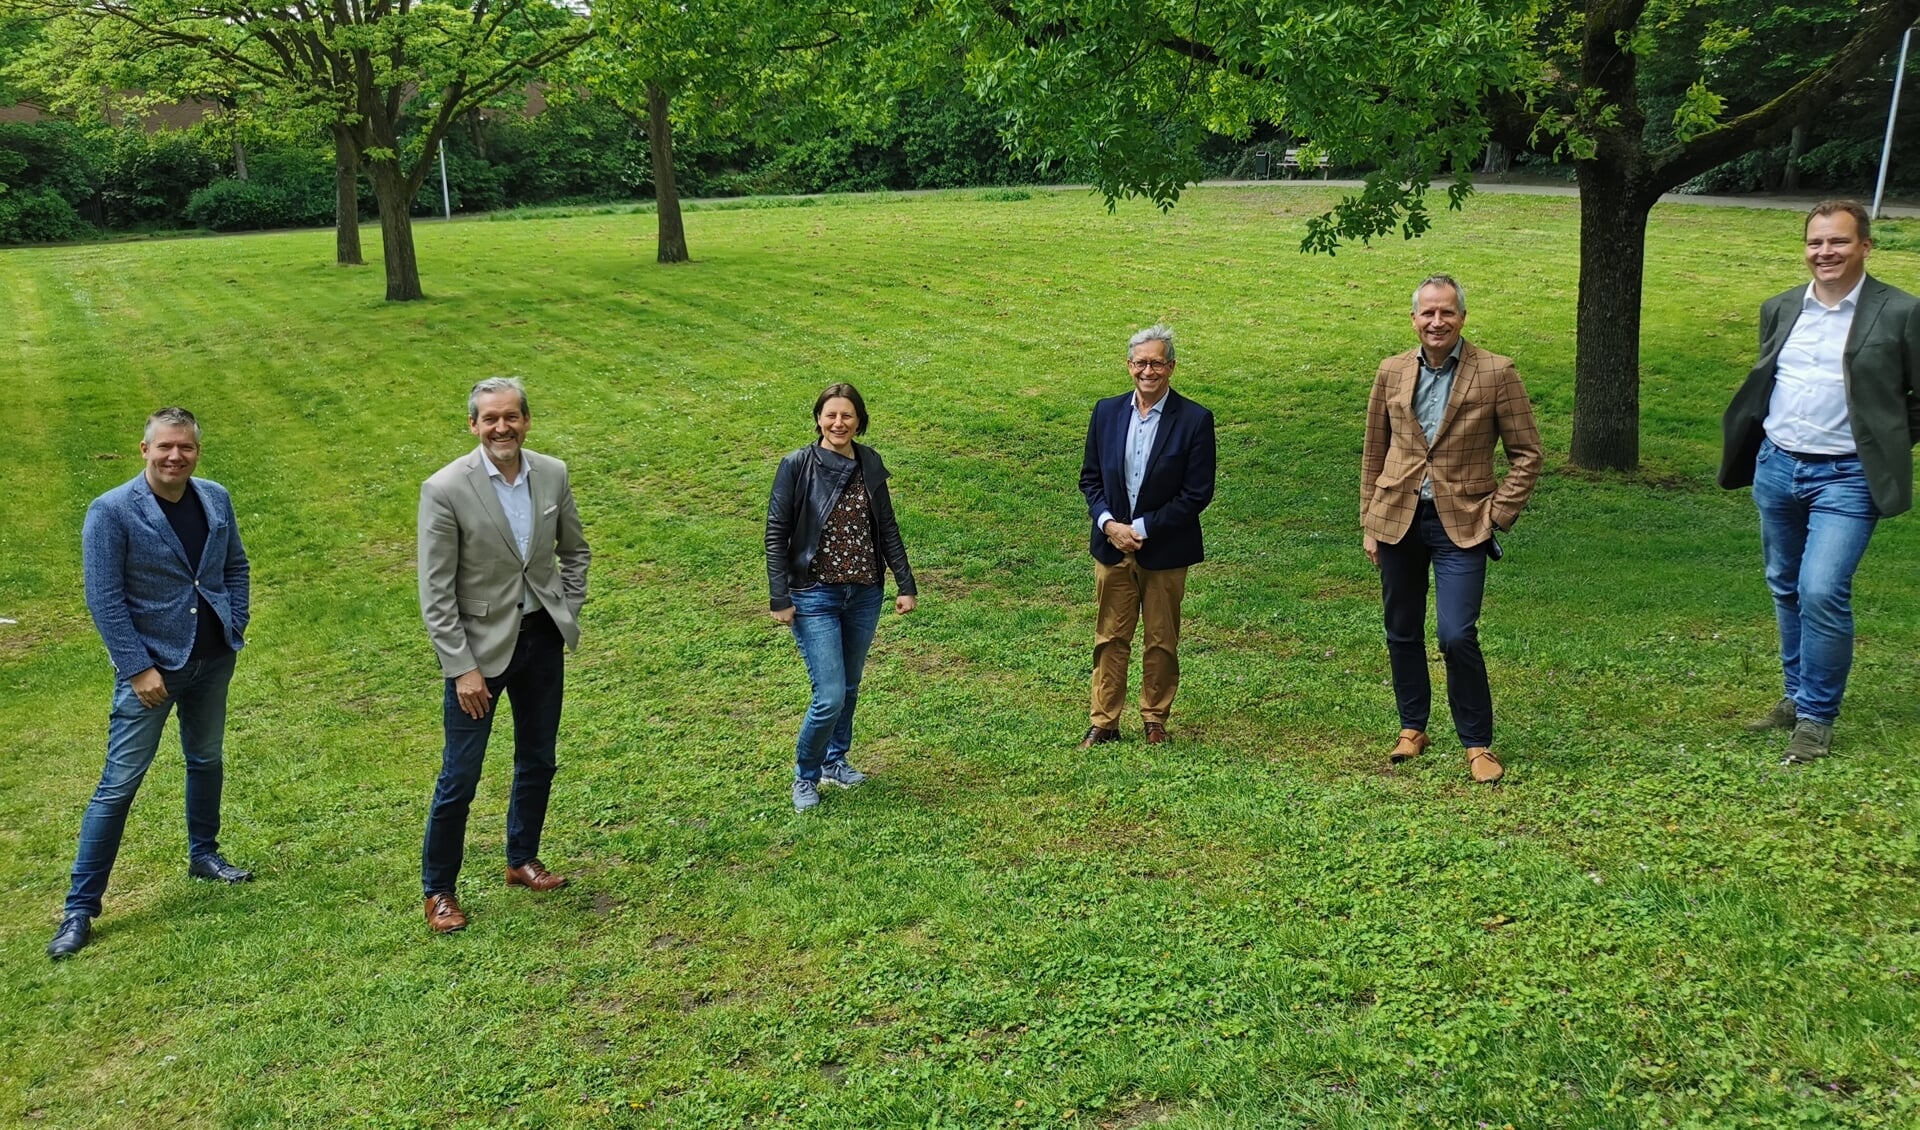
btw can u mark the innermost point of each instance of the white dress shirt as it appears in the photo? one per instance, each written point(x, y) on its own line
point(1808, 412)
point(1140, 435)
point(516, 498)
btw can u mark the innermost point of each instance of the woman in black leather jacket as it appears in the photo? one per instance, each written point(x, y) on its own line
point(831, 536)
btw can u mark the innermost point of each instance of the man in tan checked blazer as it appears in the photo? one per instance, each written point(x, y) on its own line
point(1429, 500)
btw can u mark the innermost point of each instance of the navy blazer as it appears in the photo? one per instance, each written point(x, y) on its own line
point(139, 589)
point(1178, 484)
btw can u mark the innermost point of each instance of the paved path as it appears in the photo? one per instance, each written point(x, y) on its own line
point(1788, 202)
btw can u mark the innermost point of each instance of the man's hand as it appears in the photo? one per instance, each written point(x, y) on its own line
point(1372, 545)
point(1121, 536)
point(471, 690)
point(150, 688)
point(784, 616)
point(904, 604)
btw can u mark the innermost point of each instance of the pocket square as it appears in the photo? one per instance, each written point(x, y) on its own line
point(549, 510)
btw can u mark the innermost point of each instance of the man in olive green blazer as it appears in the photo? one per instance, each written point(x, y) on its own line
point(1823, 430)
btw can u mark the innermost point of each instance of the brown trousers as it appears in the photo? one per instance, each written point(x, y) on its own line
point(1128, 595)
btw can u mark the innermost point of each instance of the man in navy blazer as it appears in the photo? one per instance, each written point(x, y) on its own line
point(1147, 474)
point(166, 580)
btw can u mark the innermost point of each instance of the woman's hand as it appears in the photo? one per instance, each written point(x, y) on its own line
point(785, 616)
point(903, 604)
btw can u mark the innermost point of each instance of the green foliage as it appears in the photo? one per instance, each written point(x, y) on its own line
point(1650, 924)
point(150, 177)
point(39, 215)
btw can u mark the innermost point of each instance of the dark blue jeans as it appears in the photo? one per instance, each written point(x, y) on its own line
point(1815, 519)
point(133, 737)
point(834, 626)
point(534, 681)
point(1460, 581)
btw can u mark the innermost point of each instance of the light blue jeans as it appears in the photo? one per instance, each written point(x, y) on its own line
point(133, 737)
point(834, 626)
point(1815, 520)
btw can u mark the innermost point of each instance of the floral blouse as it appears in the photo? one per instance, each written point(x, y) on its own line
point(846, 554)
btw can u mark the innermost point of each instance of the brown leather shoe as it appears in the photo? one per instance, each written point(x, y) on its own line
point(1157, 733)
point(444, 915)
point(1098, 735)
point(1411, 744)
point(534, 876)
point(1483, 765)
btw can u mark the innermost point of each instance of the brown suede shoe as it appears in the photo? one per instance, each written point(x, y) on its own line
point(1411, 744)
point(444, 915)
point(534, 876)
point(1483, 765)
point(1097, 735)
point(1157, 733)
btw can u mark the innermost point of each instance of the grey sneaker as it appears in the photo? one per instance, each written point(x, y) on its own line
point(806, 794)
point(1781, 717)
point(842, 774)
point(1810, 742)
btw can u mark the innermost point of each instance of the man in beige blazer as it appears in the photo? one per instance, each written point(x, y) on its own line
point(503, 573)
point(1429, 500)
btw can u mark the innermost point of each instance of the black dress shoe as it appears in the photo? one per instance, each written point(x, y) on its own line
point(219, 870)
point(70, 937)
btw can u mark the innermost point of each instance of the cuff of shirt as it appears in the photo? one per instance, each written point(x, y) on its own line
point(1100, 523)
point(1140, 528)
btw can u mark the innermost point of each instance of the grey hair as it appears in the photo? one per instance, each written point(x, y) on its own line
point(171, 416)
point(1459, 292)
point(493, 385)
point(1159, 331)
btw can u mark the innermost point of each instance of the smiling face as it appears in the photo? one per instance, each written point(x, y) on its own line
point(171, 454)
point(1152, 370)
point(1438, 320)
point(1836, 255)
point(501, 423)
point(839, 422)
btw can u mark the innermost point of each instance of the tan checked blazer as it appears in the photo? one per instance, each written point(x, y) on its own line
point(1488, 403)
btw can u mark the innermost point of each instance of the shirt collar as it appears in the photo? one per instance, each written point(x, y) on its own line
point(1133, 402)
point(1453, 357)
point(1851, 301)
point(494, 472)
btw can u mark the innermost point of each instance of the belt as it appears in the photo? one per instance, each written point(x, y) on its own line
point(1805, 457)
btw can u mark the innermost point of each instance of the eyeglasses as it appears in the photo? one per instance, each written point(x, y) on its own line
point(1151, 364)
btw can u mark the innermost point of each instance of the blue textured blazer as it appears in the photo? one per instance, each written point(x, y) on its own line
point(143, 598)
point(1177, 487)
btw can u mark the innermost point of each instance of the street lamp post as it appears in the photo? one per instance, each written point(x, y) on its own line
point(1893, 107)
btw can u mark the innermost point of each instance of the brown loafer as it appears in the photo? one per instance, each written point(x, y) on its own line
point(533, 875)
point(1484, 767)
point(1099, 735)
point(1157, 733)
point(444, 915)
point(1411, 744)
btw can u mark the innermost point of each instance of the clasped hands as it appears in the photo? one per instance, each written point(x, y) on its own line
point(1120, 536)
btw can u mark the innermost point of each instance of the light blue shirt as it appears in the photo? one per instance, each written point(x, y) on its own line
point(1431, 391)
point(1808, 411)
point(1140, 434)
point(516, 499)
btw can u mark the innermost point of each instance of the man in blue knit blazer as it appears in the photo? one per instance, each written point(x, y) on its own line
point(166, 581)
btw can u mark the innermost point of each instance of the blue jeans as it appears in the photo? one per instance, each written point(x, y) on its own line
point(133, 737)
point(535, 681)
point(1460, 581)
point(1815, 519)
point(834, 626)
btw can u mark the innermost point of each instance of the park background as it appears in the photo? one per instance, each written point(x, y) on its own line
point(1649, 922)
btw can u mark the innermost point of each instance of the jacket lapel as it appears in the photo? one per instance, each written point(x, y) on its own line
point(149, 508)
point(482, 484)
point(1409, 381)
point(1873, 299)
point(1464, 378)
point(1169, 412)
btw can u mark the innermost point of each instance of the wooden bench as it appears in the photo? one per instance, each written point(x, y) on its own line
point(1290, 163)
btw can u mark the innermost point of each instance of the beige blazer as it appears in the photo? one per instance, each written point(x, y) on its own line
point(1488, 405)
point(471, 575)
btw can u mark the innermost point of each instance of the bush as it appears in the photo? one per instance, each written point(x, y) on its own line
point(240, 205)
point(39, 215)
point(150, 177)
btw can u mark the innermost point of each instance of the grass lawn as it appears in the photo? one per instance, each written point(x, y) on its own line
point(1648, 924)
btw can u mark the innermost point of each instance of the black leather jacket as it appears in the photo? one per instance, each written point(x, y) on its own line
point(805, 490)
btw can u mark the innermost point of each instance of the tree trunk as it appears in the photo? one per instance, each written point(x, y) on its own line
point(673, 232)
point(239, 159)
point(346, 201)
point(392, 189)
point(1606, 378)
point(1790, 177)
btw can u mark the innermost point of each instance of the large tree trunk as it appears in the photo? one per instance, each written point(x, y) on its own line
point(1606, 378)
point(394, 192)
point(666, 195)
point(1790, 176)
point(346, 200)
point(239, 159)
